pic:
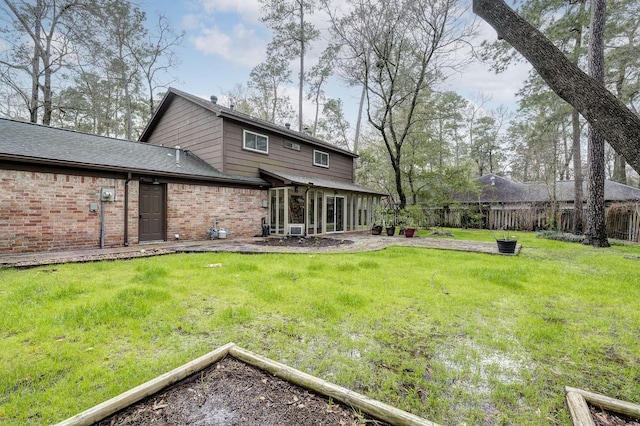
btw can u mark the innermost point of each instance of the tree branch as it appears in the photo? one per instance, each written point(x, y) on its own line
point(606, 113)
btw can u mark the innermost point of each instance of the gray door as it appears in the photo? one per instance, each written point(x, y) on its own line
point(152, 223)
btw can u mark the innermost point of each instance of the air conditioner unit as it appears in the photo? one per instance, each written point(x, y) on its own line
point(297, 230)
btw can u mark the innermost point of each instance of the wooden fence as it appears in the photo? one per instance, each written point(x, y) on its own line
point(622, 219)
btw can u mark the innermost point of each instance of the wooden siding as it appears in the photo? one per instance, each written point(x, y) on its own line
point(193, 128)
point(239, 161)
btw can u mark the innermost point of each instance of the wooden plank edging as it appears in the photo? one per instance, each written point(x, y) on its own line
point(580, 414)
point(576, 397)
point(134, 395)
point(370, 406)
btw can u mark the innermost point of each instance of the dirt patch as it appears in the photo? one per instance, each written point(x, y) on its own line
point(603, 417)
point(306, 242)
point(231, 392)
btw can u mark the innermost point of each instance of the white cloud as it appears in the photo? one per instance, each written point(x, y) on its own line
point(239, 47)
point(478, 80)
point(248, 9)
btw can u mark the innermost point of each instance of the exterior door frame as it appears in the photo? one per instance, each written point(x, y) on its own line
point(153, 211)
point(337, 223)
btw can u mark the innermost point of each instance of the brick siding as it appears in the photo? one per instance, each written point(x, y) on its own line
point(50, 211)
point(191, 210)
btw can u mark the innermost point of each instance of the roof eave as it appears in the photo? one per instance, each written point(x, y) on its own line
point(138, 171)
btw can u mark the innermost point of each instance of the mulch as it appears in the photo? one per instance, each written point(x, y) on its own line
point(231, 392)
point(603, 417)
point(302, 242)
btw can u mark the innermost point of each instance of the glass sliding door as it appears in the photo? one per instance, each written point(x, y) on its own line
point(340, 216)
point(276, 211)
point(335, 216)
point(331, 212)
point(311, 219)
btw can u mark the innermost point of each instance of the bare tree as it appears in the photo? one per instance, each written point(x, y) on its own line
point(156, 56)
point(49, 28)
point(397, 50)
point(292, 34)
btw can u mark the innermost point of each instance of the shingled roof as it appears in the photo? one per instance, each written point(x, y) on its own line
point(293, 179)
point(496, 189)
point(232, 114)
point(37, 144)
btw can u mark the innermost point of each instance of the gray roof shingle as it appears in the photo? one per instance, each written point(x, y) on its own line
point(495, 188)
point(293, 179)
point(33, 143)
point(239, 116)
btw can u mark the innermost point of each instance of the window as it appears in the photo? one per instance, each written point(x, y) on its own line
point(292, 145)
point(256, 142)
point(320, 158)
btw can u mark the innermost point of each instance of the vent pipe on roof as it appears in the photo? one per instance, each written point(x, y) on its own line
point(214, 99)
point(493, 180)
point(287, 125)
point(178, 155)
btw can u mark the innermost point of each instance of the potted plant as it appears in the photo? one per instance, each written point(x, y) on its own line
point(378, 220)
point(506, 243)
point(389, 220)
point(411, 217)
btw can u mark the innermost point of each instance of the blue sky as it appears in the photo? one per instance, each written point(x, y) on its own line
point(224, 40)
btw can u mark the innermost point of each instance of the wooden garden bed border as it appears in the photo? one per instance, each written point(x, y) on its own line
point(353, 399)
point(577, 400)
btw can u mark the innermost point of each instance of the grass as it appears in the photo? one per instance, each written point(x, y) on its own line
point(453, 337)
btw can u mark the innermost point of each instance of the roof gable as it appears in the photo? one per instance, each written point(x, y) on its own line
point(234, 115)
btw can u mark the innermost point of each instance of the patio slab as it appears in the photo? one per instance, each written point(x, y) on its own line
point(361, 243)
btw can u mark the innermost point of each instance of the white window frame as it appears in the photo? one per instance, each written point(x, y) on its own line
point(248, 148)
point(315, 151)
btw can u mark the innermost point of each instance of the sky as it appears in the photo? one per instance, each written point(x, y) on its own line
point(225, 39)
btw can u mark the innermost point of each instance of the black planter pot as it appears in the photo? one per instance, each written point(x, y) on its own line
point(507, 246)
point(391, 230)
point(376, 230)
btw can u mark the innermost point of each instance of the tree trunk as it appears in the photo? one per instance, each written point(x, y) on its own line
point(35, 65)
point(596, 233)
point(578, 227)
point(576, 146)
point(301, 80)
point(619, 169)
point(356, 138)
point(607, 114)
point(47, 93)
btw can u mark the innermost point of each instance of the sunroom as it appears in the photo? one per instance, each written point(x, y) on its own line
point(300, 205)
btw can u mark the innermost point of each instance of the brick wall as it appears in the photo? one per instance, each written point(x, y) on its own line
point(191, 210)
point(50, 211)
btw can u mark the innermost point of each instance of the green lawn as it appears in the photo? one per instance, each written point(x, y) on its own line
point(453, 337)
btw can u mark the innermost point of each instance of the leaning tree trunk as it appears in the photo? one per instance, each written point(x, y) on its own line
point(606, 113)
point(596, 233)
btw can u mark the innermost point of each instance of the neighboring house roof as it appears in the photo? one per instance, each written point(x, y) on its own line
point(225, 112)
point(496, 189)
point(37, 144)
point(292, 179)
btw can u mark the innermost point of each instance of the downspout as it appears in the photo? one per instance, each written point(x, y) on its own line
point(101, 222)
point(126, 210)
